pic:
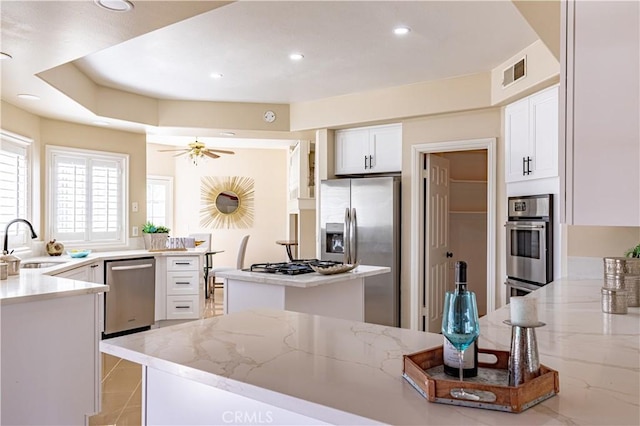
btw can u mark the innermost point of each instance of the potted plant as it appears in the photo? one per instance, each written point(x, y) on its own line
point(633, 252)
point(155, 237)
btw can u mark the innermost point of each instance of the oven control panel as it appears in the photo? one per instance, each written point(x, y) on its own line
point(531, 206)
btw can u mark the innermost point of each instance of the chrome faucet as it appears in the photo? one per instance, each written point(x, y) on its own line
point(5, 249)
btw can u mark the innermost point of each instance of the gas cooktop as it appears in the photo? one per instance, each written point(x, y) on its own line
point(301, 266)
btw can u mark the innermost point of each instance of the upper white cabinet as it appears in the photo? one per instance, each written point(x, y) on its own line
point(531, 137)
point(601, 61)
point(376, 149)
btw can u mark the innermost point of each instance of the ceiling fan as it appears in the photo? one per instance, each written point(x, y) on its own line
point(197, 150)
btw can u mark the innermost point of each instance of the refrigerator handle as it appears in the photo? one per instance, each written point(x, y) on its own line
point(347, 235)
point(354, 237)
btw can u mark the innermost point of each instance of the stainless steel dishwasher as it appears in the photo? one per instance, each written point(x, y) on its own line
point(130, 301)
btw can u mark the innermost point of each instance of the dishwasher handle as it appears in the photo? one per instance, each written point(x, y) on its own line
point(128, 268)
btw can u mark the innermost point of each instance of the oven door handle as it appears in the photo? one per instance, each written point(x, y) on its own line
point(522, 287)
point(517, 226)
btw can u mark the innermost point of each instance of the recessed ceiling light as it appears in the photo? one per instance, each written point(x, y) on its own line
point(5, 56)
point(100, 123)
point(227, 134)
point(29, 97)
point(216, 75)
point(115, 5)
point(401, 30)
point(296, 56)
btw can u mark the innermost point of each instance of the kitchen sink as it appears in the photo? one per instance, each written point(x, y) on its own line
point(46, 264)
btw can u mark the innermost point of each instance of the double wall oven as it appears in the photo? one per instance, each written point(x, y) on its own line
point(529, 232)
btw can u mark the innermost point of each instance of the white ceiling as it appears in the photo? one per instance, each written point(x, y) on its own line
point(168, 49)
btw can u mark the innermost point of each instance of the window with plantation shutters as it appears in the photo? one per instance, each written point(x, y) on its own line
point(14, 187)
point(87, 201)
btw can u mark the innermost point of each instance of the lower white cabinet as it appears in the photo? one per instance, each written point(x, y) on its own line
point(50, 370)
point(93, 273)
point(183, 279)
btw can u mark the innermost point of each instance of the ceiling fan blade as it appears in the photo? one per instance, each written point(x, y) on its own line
point(182, 153)
point(210, 154)
point(220, 151)
point(170, 150)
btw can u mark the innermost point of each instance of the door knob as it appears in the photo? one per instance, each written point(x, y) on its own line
point(449, 254)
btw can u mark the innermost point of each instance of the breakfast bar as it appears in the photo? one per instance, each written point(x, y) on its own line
point(282, 367)
point(339, 295)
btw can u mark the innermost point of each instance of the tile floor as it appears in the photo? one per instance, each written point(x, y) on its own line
point(122, 382)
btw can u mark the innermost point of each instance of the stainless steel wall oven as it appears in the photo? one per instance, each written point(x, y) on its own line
point(529, 232)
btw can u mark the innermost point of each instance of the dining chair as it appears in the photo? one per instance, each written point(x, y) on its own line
point(208, 261)
point(239, 265)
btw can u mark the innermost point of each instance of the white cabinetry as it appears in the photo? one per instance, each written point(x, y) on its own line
point(183, 287)
point(376, 149)
point(50, 370)
point(601, 42)
point(93, 273)
point(531, 136)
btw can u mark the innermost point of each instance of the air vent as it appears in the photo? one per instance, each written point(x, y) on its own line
point(515, 72)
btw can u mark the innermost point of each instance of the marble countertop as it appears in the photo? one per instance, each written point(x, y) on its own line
point(346, 372)
point(41, 284)
point(303, 280)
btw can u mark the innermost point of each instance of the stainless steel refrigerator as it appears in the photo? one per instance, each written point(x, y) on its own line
point(360, 222)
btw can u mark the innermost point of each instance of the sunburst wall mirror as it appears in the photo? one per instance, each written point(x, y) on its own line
point(227, 202)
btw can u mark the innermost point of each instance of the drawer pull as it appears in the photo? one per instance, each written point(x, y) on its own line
point(182, 307)
point(183, 263)
point(183, 282)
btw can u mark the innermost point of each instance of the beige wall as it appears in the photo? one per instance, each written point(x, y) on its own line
point(62, 133)
point(268, 168)
point(542, 70)
point(601, 241)
point(52, 132)
point(391, 104)
point(25, 124)
point(484, 123)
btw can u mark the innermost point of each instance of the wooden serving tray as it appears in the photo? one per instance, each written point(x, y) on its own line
point(424, 371)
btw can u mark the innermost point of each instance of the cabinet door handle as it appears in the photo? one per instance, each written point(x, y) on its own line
point(524, 166)
point(529, 159)
point(370, 161)
point(365, 162)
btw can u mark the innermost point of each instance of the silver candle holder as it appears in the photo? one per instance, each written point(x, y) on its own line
point(524, 362)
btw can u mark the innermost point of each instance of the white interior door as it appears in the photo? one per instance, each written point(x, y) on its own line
point(436, 240)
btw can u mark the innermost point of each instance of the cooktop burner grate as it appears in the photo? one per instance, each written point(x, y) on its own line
point(296, 267)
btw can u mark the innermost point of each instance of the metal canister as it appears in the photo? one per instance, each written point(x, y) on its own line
point(614, 301)
point(4, 271)
point(13, 263)
point(623, 273)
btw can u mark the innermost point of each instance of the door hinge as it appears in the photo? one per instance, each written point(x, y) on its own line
point(423, 311)
point(425, 173)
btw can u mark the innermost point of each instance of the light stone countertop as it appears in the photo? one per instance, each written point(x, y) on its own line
point(305, 363)
point(40, 284)
point(303, 280)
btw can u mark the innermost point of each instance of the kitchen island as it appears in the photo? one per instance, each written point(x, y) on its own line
point(339, 295)
point(278, 367)
point(50, 366)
